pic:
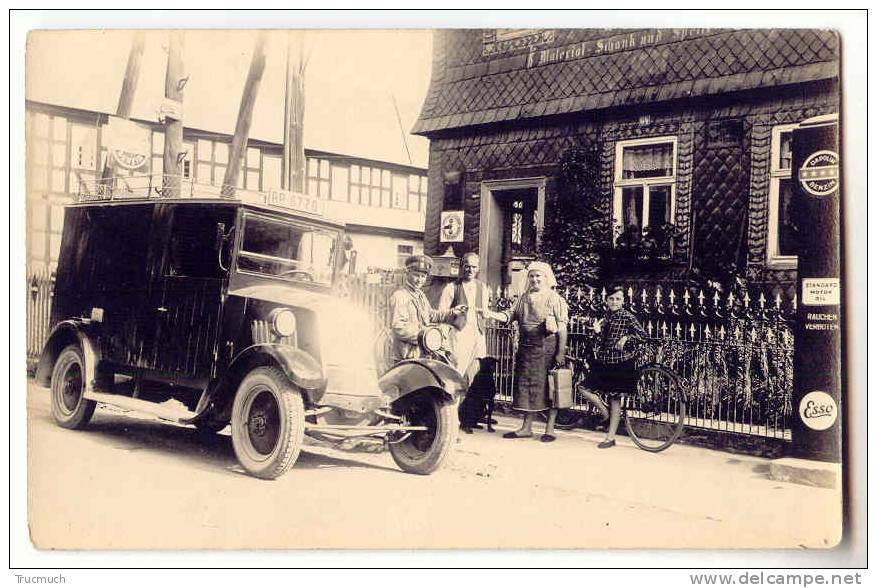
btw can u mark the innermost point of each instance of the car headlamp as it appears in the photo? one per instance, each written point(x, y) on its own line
point(283, 322)
point(432, 338)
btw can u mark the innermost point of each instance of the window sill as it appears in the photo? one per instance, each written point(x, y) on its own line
point(782, 263)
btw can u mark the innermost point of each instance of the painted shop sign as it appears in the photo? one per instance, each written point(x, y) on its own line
point(615, 44)
point(499, 41)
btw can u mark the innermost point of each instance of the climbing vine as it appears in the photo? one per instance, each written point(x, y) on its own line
point(577, 229)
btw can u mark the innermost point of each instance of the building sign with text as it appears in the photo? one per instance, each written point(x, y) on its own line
point(614, 44)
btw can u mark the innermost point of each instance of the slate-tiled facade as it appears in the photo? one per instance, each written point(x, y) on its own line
point(507, 114)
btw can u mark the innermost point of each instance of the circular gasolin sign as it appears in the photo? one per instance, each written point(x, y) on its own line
point(452, 226)
point(818, 410)
point(820, 174)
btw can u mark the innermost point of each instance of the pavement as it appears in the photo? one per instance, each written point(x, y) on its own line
point(129, 481)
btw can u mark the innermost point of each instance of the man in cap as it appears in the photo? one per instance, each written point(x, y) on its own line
point(410, 311)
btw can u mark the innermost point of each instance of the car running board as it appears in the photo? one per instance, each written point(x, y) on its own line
point(170, 410)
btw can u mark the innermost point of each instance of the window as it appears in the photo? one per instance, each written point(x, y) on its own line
point(286, 250)
point(212, 162)
point(376, 187)
point(400, 191)
point(318, 177)
point(782, 236)
point(645, 184)
point(51, 155)
point(340, 183)
point(253, 165)
point(386, 198)
point(416, 192)
point(360, 178)
point(192, 249)
point(402, 253)
point(189, 150)
point(271, 171)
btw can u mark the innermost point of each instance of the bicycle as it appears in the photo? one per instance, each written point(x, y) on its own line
point(654, 416)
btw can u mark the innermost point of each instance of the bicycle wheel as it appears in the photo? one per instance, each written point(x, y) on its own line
point(655, 415)
point(567, 419)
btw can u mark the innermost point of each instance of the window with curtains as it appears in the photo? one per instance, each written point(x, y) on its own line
point(645, 184)
point(782, 241)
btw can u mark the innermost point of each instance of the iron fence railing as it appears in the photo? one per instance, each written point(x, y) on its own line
point(734, 352)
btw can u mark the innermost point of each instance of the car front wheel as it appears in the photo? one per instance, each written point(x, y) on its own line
point(267, 423)
point(423, 452)
point(70, 408)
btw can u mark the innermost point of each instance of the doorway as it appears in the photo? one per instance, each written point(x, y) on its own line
point(512, 214)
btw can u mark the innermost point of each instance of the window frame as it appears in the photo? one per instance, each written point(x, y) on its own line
point(316, 184)
point(620, 183)
point(774, 259)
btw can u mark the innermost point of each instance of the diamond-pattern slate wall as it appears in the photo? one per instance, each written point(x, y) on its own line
point(720, 180)
point(468, 88)
point(726, 187)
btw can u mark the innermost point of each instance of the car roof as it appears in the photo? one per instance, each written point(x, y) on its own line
point(278, 202)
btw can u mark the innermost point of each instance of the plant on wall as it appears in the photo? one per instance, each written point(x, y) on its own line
point(577, 229)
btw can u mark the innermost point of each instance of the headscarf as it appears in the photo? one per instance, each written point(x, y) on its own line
point(546, 270)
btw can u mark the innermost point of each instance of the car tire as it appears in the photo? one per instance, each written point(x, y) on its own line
point(70, 408)
point(423, 452)
point(267, 423)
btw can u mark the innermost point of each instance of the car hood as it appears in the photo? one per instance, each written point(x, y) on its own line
point(283, 294)
point(346, 334)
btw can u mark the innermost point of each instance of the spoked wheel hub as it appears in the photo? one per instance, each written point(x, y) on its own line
point(423, 451)
point(263, 424)
point(71, 391)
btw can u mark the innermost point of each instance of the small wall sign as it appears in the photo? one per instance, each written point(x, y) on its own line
point(820, 291)
point(452, 226)
point(818, 410)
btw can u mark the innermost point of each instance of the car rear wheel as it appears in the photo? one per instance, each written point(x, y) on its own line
point(267, 423)
point(70, 408)
point(423, 452)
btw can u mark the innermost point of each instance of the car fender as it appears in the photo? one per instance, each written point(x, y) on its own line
point(299, 366)
point(411, 375)
point(74, 331)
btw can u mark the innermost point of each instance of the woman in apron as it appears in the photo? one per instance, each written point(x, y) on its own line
point(542, 315)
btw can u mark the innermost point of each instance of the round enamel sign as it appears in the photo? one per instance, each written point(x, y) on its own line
point(820, 173)
point(818, 410)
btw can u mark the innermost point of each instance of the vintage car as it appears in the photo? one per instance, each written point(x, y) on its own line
point(211, 311)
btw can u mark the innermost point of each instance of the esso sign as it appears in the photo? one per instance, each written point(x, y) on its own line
point(818, 410)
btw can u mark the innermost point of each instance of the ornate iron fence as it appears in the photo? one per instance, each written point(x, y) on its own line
point(733, 351)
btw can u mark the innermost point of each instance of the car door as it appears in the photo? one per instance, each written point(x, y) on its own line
point(186, 291)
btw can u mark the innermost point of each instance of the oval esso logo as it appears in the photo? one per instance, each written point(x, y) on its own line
point(818, 410)
point(820, 174)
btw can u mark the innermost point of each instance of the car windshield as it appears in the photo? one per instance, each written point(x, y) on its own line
point(287, 250)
